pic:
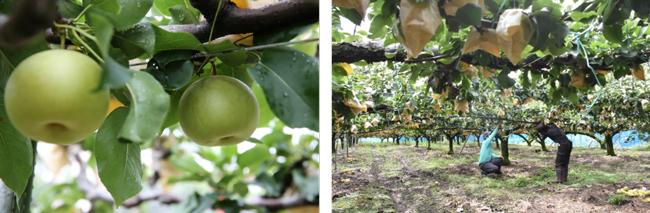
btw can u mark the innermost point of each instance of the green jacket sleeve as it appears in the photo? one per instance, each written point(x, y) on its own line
point(486, 148)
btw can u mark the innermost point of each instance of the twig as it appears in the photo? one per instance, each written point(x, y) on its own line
point(93, 193)
point(276, 204)
point(29, 18)
point(201, 55)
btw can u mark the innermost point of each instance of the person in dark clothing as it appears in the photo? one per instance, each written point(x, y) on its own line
point(563, 151)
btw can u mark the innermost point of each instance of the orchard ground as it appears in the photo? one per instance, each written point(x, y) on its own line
point(384, 177)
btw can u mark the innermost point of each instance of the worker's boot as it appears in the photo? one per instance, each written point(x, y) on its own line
point(565, 173)
point(558, 173)
point(484, 173)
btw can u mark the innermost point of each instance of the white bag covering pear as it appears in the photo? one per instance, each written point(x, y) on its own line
point(513, 33)
point(419, 22)
point(487, 41)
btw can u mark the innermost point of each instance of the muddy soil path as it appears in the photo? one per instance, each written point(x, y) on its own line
point(414, 179)
point(394, 195)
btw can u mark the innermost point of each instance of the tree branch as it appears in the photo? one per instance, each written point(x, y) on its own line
point(93, 193)
point(232, 19)
point(28, 19)
point(374, 51)
point(276, 204)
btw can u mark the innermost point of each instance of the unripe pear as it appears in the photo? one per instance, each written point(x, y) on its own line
point(218, 111)
point(51, 97)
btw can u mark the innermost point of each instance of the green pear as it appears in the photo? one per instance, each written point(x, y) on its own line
point(218, 111)
point(51, 97)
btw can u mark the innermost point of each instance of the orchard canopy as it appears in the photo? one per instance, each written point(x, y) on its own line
point(428, 68)
point(150, 52)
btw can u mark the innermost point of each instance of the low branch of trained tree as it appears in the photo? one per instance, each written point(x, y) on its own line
point(276, 204)
point(374, 51)
point(92, 193)
point(232, 19)
point(28, 18)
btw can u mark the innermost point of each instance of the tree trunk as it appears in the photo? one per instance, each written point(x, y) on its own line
point(504, 151)
point(417, 141)
point(543, 144)
point(398, 137)
point(428, 143)
point(527, 140)
point(346, 138)
point(496, 140)
point(609, 139)
point(334, 143)
point(451, 144)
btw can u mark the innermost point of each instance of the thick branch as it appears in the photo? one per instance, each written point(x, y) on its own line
point(276, 204)
point(233, 20)
point(374, 51)
point(28, 19)
point(92, 193)
point(6, 198)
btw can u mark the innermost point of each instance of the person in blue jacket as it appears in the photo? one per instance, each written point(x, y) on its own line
point(488, 162)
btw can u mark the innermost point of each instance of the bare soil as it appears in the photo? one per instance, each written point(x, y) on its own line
point(392, 178)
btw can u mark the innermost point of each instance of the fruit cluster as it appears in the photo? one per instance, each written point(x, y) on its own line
point(53, 96)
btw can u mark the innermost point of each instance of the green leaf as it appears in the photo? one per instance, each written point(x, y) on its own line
point(352, 15)
point(269, 184)
point(132, 12)
point(233, 59)
point(254, 140)
point(492, 6)
point(16, 154)
point(149, 105)
point(378, 27)
point(571, 96)
point(504, 80)
point(136, 40)
point(6, 6)
point(223, 46)
point(187, 163)
point(103, 31)
point(118, 162)
point(114, 75)
point(291, 86)
point(172, 114)
point(166, 40)
point(578, 16)
point(238, 72)
point(241, 189)
point(163, 5)
point(229, 205)
point(110, 6)
point(544, 26)
point(640, 7)
point(69, 9)
point(309, 187)
point(470, 14)
point(182, 15)
point(173, 69)
point(282, 34)
point(613, 33)
point(257, 154)
point(266, 114)
point(559, 33)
